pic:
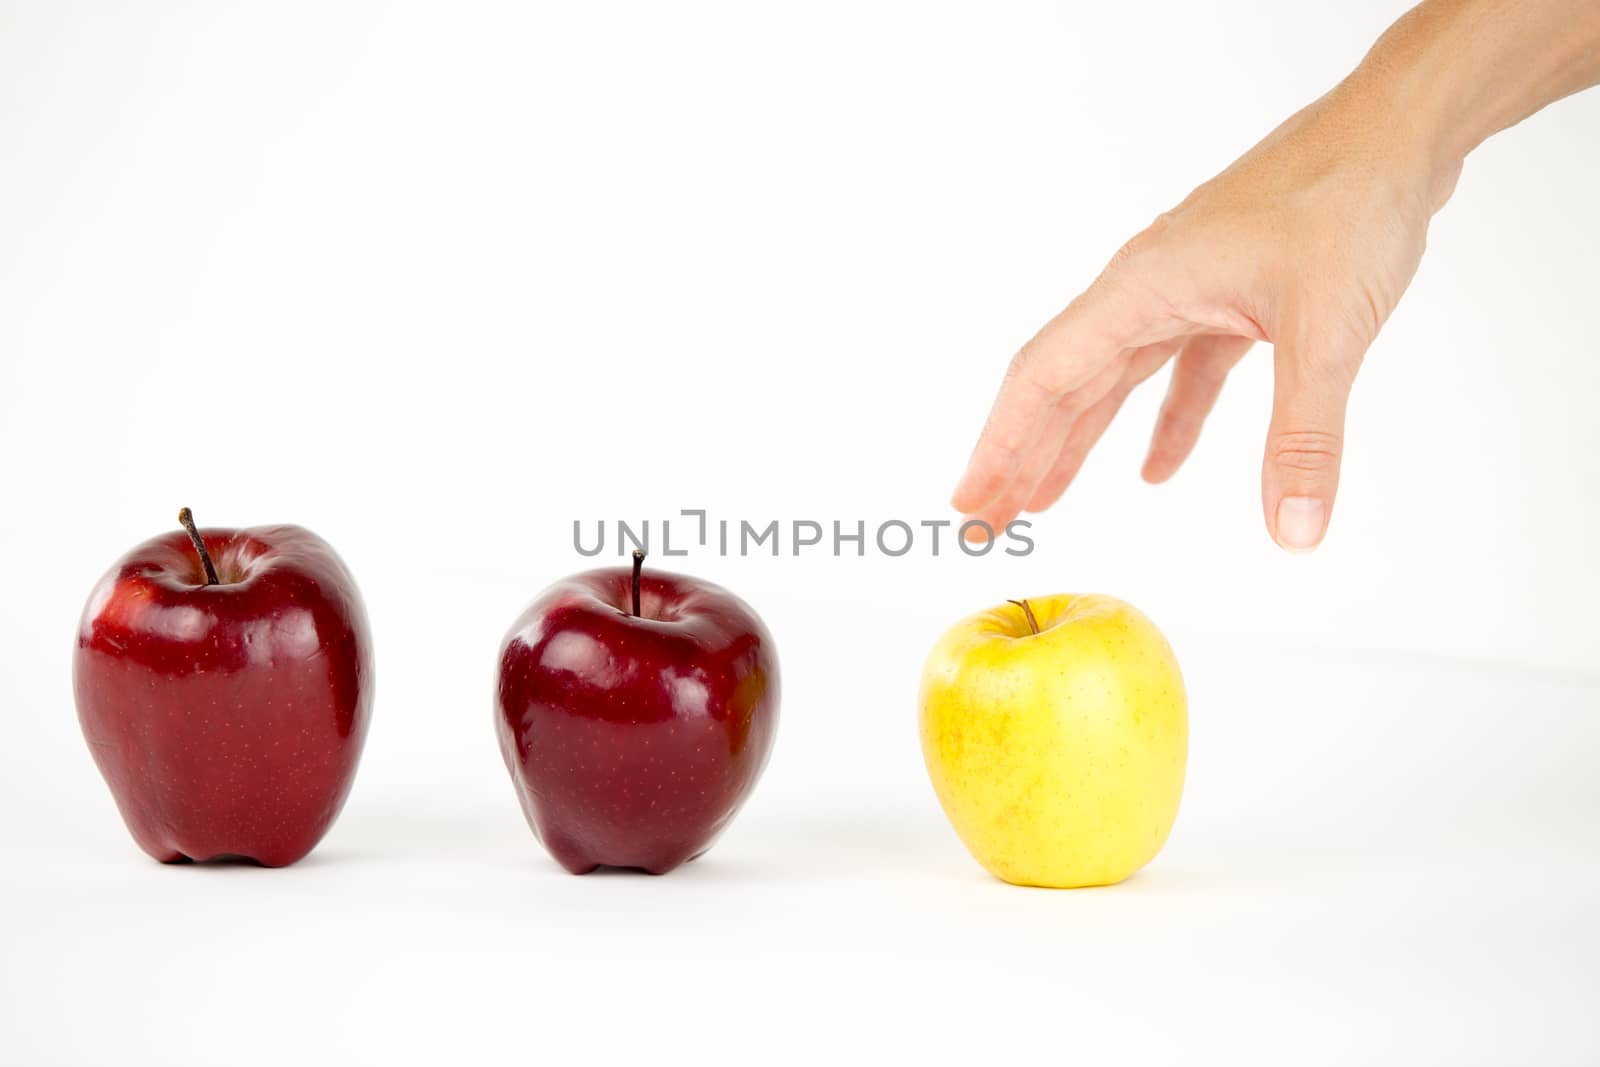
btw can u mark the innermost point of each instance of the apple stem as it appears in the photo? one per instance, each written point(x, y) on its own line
point(638, 565)
point(1033, 623)
point(186, 518)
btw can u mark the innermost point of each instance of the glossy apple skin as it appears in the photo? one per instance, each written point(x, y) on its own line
point(632, 741)
point(227, 719)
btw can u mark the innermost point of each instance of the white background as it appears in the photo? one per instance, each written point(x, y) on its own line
point(436, 280)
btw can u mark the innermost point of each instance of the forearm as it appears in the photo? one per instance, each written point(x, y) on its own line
point(1455, 72)
point(1307, 241)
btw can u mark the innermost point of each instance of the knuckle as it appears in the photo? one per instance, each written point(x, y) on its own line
point(1006, 444)
point(1308, 451)
point(1159, 227)
point(1006, 441)
point(1053, 382)
point(1050, 376)
point(1020, 367)
point(1130, 248)
point(1162, 222)
point(1141, 244)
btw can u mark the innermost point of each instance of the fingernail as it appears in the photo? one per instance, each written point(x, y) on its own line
point(976, 531)
point(1300, 522)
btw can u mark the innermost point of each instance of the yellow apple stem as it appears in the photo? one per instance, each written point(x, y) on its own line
point(638, 565)
point(186, 518)
point(1033, 623)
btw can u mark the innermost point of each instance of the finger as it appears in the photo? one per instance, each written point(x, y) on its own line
point(1197, 379)
point(1071, 350)
point(1075, 406)
point(1091, 426)
point(1006, 506)
point(1300, 474)
point(1086, 433)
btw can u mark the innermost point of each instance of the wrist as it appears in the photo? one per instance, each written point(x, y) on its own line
point(1399, 131)
point(1414, 88)
point(1452, 73)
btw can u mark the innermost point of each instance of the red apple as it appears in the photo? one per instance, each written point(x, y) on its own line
point(635, 714)
point(224, 685)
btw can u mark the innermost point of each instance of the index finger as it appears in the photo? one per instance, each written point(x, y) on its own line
point(1065, 355)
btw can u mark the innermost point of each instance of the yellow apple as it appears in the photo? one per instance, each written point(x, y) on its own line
point(1056, 731)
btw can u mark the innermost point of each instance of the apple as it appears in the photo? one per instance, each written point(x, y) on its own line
point(1055, 731)
point(635, 713)
point(224, 684)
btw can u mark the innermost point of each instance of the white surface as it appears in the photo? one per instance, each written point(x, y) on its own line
point(1397, 864)
point(435, 280)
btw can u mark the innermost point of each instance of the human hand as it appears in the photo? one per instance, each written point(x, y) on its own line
point(1306, 242)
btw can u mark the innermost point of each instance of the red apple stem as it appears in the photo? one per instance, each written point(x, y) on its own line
point(1033, 623)
point(638, 565)
point(186, 518)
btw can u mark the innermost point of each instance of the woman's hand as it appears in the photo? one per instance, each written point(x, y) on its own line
point(1307, 242)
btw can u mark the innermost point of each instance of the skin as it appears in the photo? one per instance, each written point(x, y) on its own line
point(1058, 756)
point(1307, 243)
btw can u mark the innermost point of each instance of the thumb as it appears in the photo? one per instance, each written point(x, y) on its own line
point(1305, 443)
